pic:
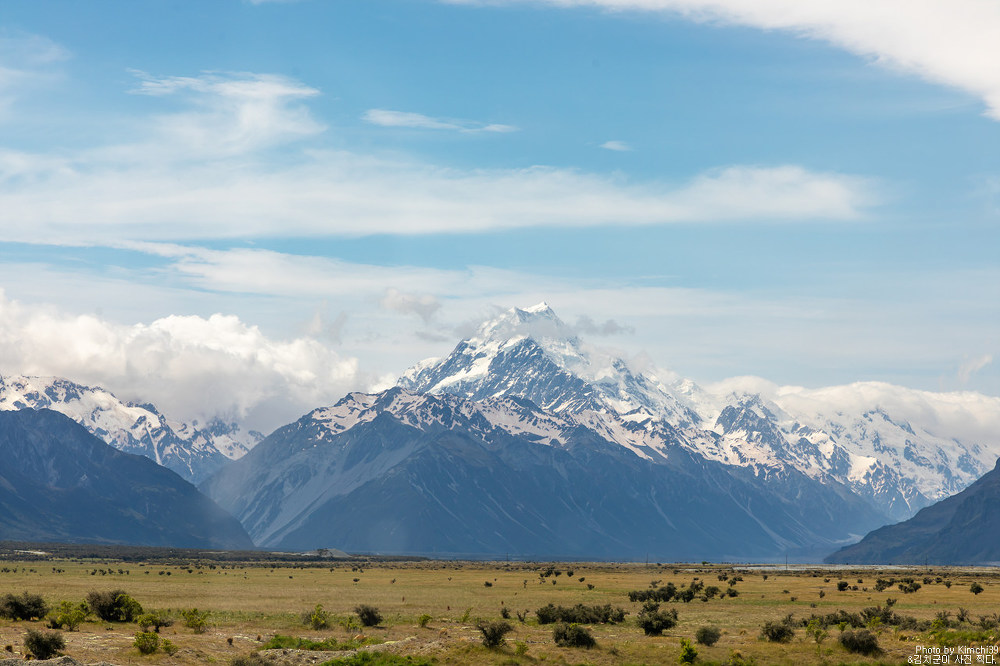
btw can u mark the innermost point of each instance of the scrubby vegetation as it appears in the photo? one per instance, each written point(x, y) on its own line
point(860, 641)
point(24, 606)
point(580, 614)
point(368, 615)
point(43, 644)
point(572, 635)
point(654, 621)
point(113, 605)
point(494, 632)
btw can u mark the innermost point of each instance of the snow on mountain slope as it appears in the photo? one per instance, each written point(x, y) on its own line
point(898, 448)
point(405, 472)
point(532, 354)
point(192, 451)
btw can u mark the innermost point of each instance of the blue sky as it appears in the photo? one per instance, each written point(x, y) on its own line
point(305, 198)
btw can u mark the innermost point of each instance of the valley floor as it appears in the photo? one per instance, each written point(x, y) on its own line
point(430, 610)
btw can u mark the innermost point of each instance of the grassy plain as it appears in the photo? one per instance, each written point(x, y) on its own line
point(251, 602)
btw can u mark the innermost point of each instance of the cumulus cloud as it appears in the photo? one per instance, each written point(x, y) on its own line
point(387, 118)
point(422, 305)
point(952, 43)
point(202, 367)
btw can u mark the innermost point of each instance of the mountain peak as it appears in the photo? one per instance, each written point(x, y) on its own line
point(538, 321)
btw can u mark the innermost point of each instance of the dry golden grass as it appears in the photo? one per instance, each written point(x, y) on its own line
point(250, 601)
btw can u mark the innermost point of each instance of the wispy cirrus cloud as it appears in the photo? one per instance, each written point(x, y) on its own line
point(387, 118)
point(617, 146)
point(25, 59)
point(229, 164)
point(953, 43)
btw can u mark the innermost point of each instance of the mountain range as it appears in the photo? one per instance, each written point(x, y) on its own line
point(191, 450)
point(527, 441)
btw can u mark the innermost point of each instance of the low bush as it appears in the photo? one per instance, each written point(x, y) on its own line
point(146, 642)
point(43, 644)
point(572, 635)
point(688, 652)
point(653, 621)
point(317, 618)
point(661, 594)
point(195, 620)
point(369, 615)
point(580, 614)
point(860, 641)
point(708, 635)
point(776, 632)
point(154, 620)
point(24, 606)
point(113, 605)
point(494, 632)
point(67, 615)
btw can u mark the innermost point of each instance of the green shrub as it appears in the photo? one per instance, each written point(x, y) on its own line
point(580, 614)
point(369, 615)
point(169, 647)
point(423, 620)
point(195, 620)
point(43, 644)
point(842, 586)
point(776, 632)
point(708, 635)
point(146, 642)
point(494, 632)
point(317, 618)
point(661, 594)
point(688, 652)
point(975, 588)
point(113, 606)
point(653, 621)
point(861, 641)
point(25, 606)
point(154, 620)
point(572, 635)
point(68, 615)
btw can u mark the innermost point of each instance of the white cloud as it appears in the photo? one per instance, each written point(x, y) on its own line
point(617, 146)
point(202, 367)
point(972, 366)
point(387, 118)
point(969, 416)
point(952, 43)
point(422, 305)
point(226, 166)
point(25, 61)
point(230, 114)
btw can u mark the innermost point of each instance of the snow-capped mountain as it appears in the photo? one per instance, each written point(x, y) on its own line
point(842, 435)
point(525, 440)
point(191, 450)
point(419, 473)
